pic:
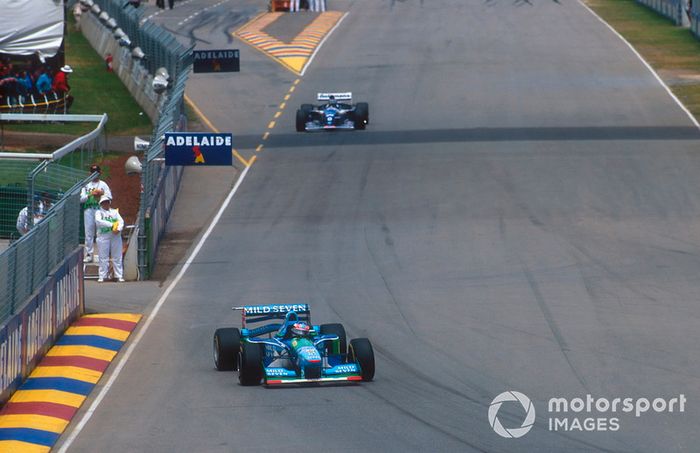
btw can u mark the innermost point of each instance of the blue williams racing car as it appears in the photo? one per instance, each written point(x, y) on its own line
point(277, 344)
point(337, 113)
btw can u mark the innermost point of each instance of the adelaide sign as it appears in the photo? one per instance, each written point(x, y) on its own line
point(216, 61)
point(191, 148)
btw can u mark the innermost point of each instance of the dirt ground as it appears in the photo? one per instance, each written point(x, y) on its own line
point(126, 189)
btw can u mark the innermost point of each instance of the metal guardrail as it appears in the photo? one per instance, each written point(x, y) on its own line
point(86, 140)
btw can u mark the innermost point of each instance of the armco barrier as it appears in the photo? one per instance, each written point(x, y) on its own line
point(25, 339)
point(672, 9)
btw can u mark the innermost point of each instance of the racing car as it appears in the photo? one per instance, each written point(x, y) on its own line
point(277, 344)
point(336, 113)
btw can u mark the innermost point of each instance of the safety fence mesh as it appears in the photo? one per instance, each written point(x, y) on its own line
point(160, 46)
point(27, 261)
point(161, 183)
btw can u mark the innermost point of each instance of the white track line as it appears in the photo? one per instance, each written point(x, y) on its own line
point(311, 58)
point(137, 339)
point(663, 84)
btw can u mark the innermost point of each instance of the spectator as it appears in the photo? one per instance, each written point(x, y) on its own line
point(43, 82)
point(108, 62)
point(90, 196)
point(109, 239)
point(60, 82)
point(25, 82)
point(40, 209)
point(60, 86)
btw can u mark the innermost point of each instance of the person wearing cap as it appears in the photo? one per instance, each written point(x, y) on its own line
point(60, 81)
point(109, 239)
point(89, 197)
point(40, 208)
point(60, 86)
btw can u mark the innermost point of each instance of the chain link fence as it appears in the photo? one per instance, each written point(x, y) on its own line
point(161, 48)
point(47, 188)
point(161, 183)
point(28, 260)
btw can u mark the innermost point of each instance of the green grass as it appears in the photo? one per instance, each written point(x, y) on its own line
point(95, 91)
point(672, 51)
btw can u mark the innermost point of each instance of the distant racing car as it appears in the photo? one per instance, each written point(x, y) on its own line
point(336, 113)
point(288, 349)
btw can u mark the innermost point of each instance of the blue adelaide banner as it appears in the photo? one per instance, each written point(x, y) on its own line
point(196, 148)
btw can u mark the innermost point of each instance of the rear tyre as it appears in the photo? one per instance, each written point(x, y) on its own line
point(361, 115)
point(227, 342)
point(335, 329)
point(361, 352)
point(250, 364)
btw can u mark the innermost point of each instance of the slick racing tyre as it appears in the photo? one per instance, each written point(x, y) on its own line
point(303, 116)
point(361, 352)
point(361, 115)
point(227, 342)
point(301, 121)
point(335, 329)
point(250, 364)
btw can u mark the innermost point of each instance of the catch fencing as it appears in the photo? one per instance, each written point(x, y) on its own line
point(161, 183)
point(130, 30)
point(48, 186)
point(139, 48)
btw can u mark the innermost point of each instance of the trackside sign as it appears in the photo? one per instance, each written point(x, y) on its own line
point(227, 60)
point(190, 148)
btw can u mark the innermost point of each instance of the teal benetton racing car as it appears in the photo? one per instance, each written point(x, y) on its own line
point(288, 349)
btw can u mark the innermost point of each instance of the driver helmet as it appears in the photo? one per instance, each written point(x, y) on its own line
point(300, 329)
point(331, 101)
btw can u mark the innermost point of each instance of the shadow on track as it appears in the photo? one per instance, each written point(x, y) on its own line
point(480, 134)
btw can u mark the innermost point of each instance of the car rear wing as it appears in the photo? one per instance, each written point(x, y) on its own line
point(338, 96)
point(253, 314)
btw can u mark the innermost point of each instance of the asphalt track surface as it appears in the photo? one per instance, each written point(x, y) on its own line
point(521, 214)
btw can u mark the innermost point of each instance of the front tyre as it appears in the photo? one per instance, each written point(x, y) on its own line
point(335, 329)
point(360, 351)
point(250, 367)
point(227, 342)
point(301, 120)
point(361, 115)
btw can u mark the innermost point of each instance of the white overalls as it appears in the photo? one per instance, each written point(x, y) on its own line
point(109, 241)
point(91, 204)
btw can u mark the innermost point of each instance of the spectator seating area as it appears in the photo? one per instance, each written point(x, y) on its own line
point(27, 88)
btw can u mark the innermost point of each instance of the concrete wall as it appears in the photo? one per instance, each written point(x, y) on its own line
point(131, 72)
point(673, 9)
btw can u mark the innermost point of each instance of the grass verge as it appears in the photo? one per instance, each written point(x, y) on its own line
point(95, 91)
point(672, 51)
